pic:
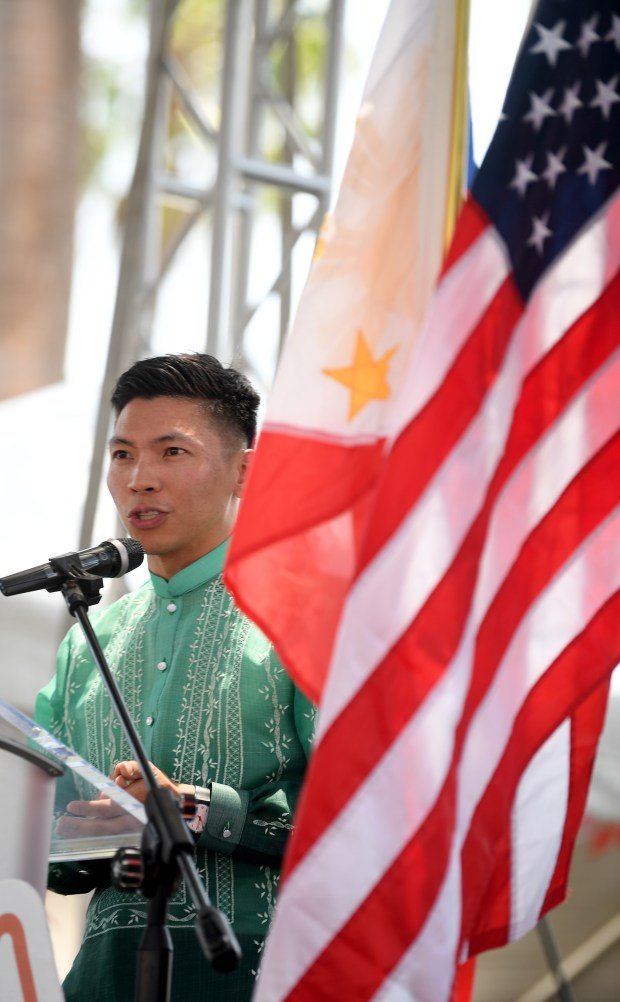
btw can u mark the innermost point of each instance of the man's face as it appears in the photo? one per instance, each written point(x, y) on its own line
point(174, 479)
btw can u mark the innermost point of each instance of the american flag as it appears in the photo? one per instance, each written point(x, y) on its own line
point(469, 569)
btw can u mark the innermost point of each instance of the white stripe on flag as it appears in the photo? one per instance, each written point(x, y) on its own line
point(543, 475)
point(537, 835)
point(459, 304)
point(561, 612)
point(423, 974)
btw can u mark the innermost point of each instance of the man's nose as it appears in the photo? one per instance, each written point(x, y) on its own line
point(143, 477)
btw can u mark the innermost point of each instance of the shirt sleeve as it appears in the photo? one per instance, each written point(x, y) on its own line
point(49, 712)
point(255, 824)
point(49, 702)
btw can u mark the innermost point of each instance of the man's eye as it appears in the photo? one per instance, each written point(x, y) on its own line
point(175, 450)
point(119, 454)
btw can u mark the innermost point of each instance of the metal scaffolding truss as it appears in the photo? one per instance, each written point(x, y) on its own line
point(260, 96)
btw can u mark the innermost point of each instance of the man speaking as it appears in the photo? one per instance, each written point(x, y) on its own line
point(215, 710)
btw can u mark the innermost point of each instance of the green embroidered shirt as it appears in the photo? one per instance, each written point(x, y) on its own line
point(212, 704)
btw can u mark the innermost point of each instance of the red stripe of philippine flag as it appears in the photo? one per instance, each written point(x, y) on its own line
point(430, 534)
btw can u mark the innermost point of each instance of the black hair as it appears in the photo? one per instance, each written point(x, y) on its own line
point(227, 394)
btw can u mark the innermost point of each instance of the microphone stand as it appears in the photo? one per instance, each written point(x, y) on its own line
point(167, 846)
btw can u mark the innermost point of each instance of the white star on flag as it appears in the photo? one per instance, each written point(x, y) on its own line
point(588, 36)
point(540, 232)
point(540, 108)
point(613, 35)
point(550, 41)
point(571, 102)
point(606, 96)
point(523, 175)
point(594, 162)
point(555, 166)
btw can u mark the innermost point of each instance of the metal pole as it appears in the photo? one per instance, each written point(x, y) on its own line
point(246, 221)
point(554, 960)
point(128, 333)
point(332, 84)
point(230, 126)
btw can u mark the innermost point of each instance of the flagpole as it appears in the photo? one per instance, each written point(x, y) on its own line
point(554, 960)
point(459, 132)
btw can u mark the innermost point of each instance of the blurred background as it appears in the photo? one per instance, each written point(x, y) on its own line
point(164, 172)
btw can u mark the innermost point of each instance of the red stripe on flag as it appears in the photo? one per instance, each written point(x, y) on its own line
point(376, 936)
point(473, 221)
point(565, 368)
point(464, 982)
point(586, 502)
point(587, 724)
point(491, 902)
point(550, 701)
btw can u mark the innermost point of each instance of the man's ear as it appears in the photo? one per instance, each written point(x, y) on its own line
point(245, 459)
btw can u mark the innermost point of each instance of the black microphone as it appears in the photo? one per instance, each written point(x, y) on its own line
point(110, 559)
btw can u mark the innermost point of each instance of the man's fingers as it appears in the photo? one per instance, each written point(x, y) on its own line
point(90, 818)
point(127, 772)
point(69, 826)
point(103, 808)
point(137, 789)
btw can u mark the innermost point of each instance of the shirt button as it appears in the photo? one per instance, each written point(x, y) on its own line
point(226, 833)
point(171, 607)
point(162, 665)
point(150, 721)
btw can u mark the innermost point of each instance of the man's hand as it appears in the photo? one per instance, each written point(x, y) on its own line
point(92, 818)
point(128, 775)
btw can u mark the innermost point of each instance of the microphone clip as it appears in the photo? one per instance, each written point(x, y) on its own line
point(79, 587)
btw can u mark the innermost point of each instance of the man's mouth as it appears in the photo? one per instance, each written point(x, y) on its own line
point(146, 516)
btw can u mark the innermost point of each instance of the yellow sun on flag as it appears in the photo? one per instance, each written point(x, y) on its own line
point(366, 377)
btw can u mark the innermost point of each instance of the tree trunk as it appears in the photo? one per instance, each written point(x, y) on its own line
point(39, 145)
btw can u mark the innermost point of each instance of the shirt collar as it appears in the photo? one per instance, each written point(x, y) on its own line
point(194, 575)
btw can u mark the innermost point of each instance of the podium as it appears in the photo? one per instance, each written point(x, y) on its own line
point(39, 776)
point(28, 785)
point(93, 817)
point(28, 778)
